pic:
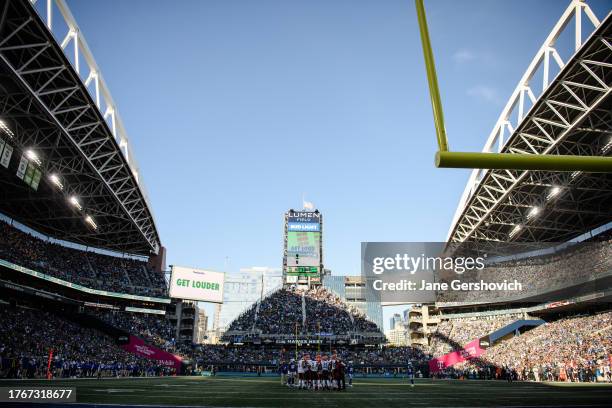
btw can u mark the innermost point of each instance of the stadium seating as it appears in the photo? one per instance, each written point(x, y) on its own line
point(279, 313)
point(569, 349)
point(451, 335)
point(153, 329)
point(312, 311)
point(90, 269)
point(254, 355)
point(574, 348)
point(541, 274)
point(28, 335)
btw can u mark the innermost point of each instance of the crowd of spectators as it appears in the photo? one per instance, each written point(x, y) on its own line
point(577, 349)
point(209, 354)
point(572, 349)
point(451, 335)
point(27, 337)
point(235, 355)
point(156, 330)
point(328, 313)
point(87, 268)
point(539, 274)
point(313, 311)
point(280, 313)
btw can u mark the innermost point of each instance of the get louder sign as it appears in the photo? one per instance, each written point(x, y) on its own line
point(197, 284)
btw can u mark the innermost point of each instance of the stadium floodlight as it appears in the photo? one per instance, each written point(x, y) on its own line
point(533, 212)
point(553, 192)
point(607, 146)
point(91, 222)
point(56, 180)
point(30, 154)
point(511, 161)
point(75, 202)
point(6, 129)
point(515, 230)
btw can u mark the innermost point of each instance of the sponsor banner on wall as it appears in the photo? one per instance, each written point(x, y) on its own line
point(470, 351)
point(7, 153)
point(35, 179)
point(304, 217)
point(23, 166)
point(100, 305)
point(304, 226)
point(137, 346)
point(303, 270)
point(144, 310)
point(76, 286)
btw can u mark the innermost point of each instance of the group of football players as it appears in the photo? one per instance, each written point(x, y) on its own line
point(322, 373)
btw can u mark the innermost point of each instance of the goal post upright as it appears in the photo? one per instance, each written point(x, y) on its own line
point(484, 160)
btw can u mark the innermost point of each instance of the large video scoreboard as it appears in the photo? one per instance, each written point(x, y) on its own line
point(303, 246)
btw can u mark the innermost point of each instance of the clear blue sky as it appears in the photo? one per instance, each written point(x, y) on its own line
point(236, 108)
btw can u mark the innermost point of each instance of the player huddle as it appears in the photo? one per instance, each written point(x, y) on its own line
point(322, 373)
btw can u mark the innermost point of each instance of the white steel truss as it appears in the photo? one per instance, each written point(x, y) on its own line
point(571, 115)
point(76, 99)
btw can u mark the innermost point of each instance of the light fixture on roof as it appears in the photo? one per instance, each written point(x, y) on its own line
point(56, 180)
point(91, 222)
point(6, 129)
point(75, 202)
point(30, 154)
point(515, 230)
point(575, 174)
point(533, 212)
point(553, 192)
point(607, 146)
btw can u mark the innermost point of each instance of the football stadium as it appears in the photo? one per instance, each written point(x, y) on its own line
point(512, 307)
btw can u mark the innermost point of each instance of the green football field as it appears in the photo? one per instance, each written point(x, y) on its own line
point(367, 392)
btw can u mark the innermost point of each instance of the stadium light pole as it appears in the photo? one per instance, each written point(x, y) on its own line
point(473, 160)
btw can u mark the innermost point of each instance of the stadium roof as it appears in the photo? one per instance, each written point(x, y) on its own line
point(573, 115)
point(91, 192)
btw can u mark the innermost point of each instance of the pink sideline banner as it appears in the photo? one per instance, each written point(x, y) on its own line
point(471, 350)
point(139, 347)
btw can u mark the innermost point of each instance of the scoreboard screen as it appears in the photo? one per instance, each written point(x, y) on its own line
point(303, 252)
point(303, 248)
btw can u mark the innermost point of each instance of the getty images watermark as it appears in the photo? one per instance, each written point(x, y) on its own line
point(426, 272)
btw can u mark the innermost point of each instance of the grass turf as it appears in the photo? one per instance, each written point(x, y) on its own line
point(367, 392)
